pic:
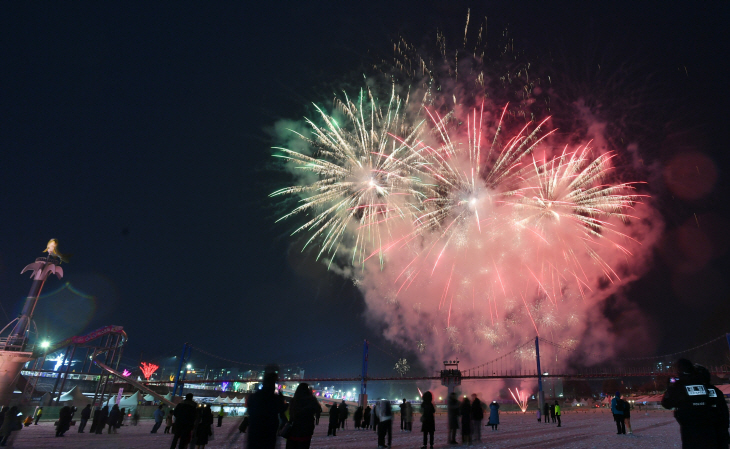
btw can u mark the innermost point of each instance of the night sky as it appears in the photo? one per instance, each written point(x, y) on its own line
point(139, 135)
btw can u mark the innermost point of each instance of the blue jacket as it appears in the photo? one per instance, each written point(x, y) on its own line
point(159, 415)
point(615, 409)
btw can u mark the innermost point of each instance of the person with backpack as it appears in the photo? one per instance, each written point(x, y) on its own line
point(618, 414)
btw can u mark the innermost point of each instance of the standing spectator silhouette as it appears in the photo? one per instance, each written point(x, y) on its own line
point(477, 415)
point(428, 420)
point(114, 419)
point(318, 413)
point(557, 412)
point(409, 417)
point(64, 420)
point(203, 426)
point(465, 412)
point(264, 407)
point(38, 415)
point(546, 412)
point(385, 423)
point(221, 414)
point(366, 418)
point(453, 416)
point(375, 418)
point(494, 415)
point(342, 410)
point(334, 420)
point(301, 413)
point(719, 416)
point(402, 415)
point(617, 408)
point(85, 415)
point(357, 417)
point(552, 413)
point(690, 398)
point(100, 417)
point(185, 413)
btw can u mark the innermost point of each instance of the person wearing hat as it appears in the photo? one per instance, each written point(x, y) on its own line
point(689, 396)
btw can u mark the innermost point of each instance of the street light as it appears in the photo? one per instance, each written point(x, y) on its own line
point(45, 344)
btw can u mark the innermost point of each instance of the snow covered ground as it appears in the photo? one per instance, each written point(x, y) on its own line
point(584, 429)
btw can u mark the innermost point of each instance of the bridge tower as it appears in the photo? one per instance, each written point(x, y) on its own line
point(182, 368)
point(363, 399)
point(450, 375)
point(540, 393)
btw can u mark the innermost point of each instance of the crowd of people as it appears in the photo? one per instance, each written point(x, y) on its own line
point(699, 408)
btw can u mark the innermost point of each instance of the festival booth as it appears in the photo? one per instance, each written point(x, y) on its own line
point(75, 398)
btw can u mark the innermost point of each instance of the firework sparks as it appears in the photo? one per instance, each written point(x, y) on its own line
point(463, 219)
point(520, 398)
point(361, 171)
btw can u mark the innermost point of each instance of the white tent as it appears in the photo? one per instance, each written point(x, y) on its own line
point(74, 397)
point(127, 401)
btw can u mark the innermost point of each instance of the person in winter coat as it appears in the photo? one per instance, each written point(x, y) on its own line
point(375, 418)
point(428, 420)
point(85, 415)
point(385, 423)
point(11, 423)
point(302, 409)
point(64, 420)
point(494, 415)
point(546, 413)
point(465, 412)
point(114, 418)
point(409, 417)
point(691, 398)
point(719, 414)
point(618, 413)
point(100, 417)
point(159, 417)
point(552, 413)
point(317, 414)
point(557, 412)
point(168, 421)
point(342, 410)
point(38, 415)
point(357, 417)
point(366, 418)
point(203, 427)
point(477, 415)
point(185, 413)
point(264, 407)
point(453, 416)
point(403, 415)
point(334, 421)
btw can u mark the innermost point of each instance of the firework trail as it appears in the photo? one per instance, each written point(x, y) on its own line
point(520, 398)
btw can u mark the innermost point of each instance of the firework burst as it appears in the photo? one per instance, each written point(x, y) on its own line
point(361, 171)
